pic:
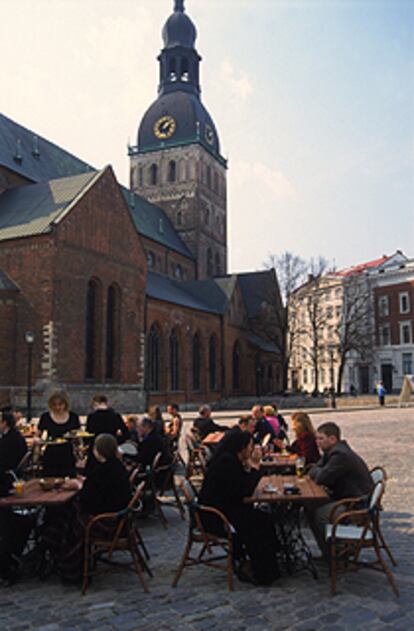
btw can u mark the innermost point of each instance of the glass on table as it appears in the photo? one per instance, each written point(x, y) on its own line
point(300, 467)
point(18, 487)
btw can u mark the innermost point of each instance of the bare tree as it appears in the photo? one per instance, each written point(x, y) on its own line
point(312, 329)
point(355, 328)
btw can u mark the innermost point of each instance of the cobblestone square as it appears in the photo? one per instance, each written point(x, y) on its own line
point(364, 602)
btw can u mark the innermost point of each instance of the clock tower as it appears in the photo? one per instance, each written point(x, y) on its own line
point(177, 162)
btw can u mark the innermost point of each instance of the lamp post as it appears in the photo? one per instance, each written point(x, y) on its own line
point(29, 337)
point(331, 355)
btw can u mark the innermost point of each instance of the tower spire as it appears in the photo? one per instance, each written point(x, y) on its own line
point(179, 6)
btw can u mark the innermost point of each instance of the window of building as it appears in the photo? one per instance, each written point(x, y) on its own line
point(174, 361)
point(383, 306)
point(338, 311)
point(207, 216)
point(209, 263)
point(184, 70)
point(196, 362)
point(404, 302)
point(407, 363)
point(150, 259)
point(172, 70)
point(140, 176)
point(217, 264)
point(405, 333)
point(385, 335)
point(212, 358)
point(305, 375)
point(329, 311)
point(172, 171)
point(216, 182)
point(322, 375)
point(178, 272)
point(153, 174)
point(154, 351)
point(179, 220)
point(112, 332)
point(236, 366)
point(92, 332)
point(208, 176)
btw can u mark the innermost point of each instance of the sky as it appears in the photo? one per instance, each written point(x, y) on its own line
point(313, 101)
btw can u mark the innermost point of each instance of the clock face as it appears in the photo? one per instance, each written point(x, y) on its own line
point(209, 134)
point(164, 127)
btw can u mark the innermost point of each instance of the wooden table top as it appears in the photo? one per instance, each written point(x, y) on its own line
point(33, 495)
point(310, 492)
point(213, 438)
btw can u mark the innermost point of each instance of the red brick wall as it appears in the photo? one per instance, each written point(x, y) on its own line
point(166, 260)
point(7, 343)
point(9, 179)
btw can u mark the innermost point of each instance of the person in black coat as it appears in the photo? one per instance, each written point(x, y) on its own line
point(262, 427)
point(107, 488)
point(104, 420)
point(59, 419)
point(14, 528)
point(204, 424)
point(228, 480)
point(150, 443)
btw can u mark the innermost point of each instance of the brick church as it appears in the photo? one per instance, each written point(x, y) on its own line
point(126, 290)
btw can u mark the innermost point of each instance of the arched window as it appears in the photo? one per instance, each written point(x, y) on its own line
point(196, 362)
point(206, 215)
point(112, 331)
point(212, 358)
point(184, 70)
point(153, 174)
point(217, 264)
point(179, 219)
point(172, 70)
point(172, 171)
point(236, 366)
point(140, 176)
point(178, 272)
point(150, 259)
point(209, 263)
point(208, 173)
point(154, 358)
point(92, 328)
point(174, 361)
point(216, 182)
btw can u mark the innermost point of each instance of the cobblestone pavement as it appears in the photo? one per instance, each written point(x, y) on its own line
point(201, 601)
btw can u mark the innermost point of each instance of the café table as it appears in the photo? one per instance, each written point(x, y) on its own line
point(34, 496)
point(285, 496)
point(213, 438)
point(278, 463)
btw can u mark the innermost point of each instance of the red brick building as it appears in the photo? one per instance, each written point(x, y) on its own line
point(124, 295)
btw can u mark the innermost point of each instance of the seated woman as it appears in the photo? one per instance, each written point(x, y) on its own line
point(155, 414)
point(270, 416)
point(305, 443)
point(58, 420)
point(107, 488)
point(230, 478)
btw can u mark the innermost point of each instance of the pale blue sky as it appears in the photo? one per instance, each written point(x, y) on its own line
point(313, 101)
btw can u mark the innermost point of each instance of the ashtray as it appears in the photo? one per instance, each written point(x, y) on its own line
point(270, 489)
point(291, 489)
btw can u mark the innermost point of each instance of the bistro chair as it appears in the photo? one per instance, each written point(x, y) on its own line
point(378, 474)
point(353, 531)
point(25, 468)
point(208, 542)
point(163, 480)
point(110, 532)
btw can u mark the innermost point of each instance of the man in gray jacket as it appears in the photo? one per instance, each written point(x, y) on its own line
point(342, 471)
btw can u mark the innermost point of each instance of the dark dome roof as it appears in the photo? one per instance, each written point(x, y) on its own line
point(179, 31)
point(187, 110)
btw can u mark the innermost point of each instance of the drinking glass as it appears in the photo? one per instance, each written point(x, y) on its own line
point(300, 467)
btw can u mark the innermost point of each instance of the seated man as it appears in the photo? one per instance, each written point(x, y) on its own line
point(341, 471)
point(150, 443)
point(262, 427)
point(12, 446)
point(205, 425)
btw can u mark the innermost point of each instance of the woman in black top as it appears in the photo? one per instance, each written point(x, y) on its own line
point(229, 479)
point(59, 419)
point(107, 488)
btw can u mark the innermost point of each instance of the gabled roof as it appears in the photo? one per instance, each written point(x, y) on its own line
point(264, 345)
point(6, 284)
point(30, 210)
point(186, 294)
point(152, 222)
point(257, 288)
point(40, 159)
point(384, 261)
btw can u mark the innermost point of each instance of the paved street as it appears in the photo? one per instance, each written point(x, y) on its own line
point(201, 601)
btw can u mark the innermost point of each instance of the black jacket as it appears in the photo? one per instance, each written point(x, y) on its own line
point(107, 489)
point(206, 426)
point(149, 447)
point(107, 422)
point(343, 472)
point(261, 430)
point(12, 449)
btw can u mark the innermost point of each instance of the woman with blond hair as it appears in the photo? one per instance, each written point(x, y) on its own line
point(58, 420)
point(305, 443)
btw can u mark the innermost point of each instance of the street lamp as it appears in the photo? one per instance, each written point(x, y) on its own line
point(331, 355)
point(29, 337)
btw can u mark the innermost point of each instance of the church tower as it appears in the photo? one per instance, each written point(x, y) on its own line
point(177, 162)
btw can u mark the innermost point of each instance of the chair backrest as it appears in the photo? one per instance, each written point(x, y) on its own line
point(266, 440)
point(376, 496)
point(136, 498)
point(188, 490)
point(156, 460)
point(25, 463)
point(378, 474)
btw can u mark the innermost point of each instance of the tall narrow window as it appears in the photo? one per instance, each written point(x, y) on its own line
point(208, 176)
point(196, 362)
point(217, 263)
point(236, 366)
point(172, 70)
point(112, 331)
point(153, 174)
point(154, 344)
point(212, 362)
point(184, 70)
point(172, 171)
point(92, 328)
point(140, 176)
point(209, 263)
point(174, 361)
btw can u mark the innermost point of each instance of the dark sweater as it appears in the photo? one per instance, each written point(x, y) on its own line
point(106, 489)
point(343, 472)
point(12, 449)
point(107, 422)
point(305, 446)
point(57, 430)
